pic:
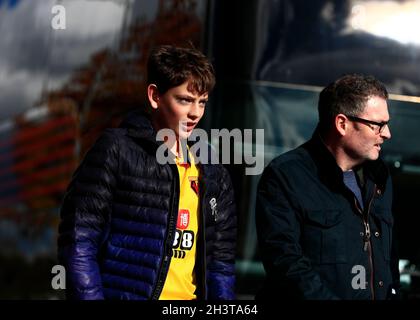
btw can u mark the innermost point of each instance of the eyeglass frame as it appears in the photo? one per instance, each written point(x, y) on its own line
point(381, 125)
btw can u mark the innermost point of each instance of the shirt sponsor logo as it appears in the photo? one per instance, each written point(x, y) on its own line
point(183, 219)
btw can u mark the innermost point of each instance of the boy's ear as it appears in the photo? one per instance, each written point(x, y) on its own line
point(153, 95)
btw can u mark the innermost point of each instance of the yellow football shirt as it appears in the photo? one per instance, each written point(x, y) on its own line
point(180, 282)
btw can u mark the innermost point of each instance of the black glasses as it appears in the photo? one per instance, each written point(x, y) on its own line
point(381, 125)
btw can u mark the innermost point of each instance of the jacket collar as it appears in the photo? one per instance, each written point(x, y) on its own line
point(139, 125)
point(375, 170)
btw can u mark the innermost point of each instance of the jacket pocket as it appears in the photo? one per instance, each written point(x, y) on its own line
point(324, 236)
point(386, 222)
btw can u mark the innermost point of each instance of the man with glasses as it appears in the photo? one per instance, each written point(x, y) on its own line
point(324, 220)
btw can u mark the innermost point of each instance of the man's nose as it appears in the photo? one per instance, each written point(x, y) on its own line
point(386, 132)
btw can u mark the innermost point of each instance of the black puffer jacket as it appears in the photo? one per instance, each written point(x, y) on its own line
point(314, 240)
point(119, 217)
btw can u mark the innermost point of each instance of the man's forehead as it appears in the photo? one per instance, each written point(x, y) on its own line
point(376, 101)
point(376, 106)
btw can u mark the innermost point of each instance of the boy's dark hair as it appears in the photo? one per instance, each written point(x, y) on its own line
point(347, 95)
point(170, 66)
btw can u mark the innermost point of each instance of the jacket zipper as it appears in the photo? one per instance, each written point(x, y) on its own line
point(367, 241)
point(370, 245)
point(203, 236)
point(163, 268)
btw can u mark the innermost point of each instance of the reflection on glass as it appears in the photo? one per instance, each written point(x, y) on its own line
point(396, 20)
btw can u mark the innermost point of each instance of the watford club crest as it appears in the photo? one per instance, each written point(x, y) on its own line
point(194, 184)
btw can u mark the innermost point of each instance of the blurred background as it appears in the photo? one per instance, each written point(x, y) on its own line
point(60, 88)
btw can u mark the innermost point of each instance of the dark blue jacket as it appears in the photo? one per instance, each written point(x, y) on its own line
point(314, 240)
point(118, 221)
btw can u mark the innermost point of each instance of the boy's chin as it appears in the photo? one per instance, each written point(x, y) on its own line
point(184, 135)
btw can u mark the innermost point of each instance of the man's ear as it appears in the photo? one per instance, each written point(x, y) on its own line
point(153, 96)
point(341, 124)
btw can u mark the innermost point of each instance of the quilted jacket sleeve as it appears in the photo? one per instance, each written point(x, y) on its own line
point(85, 215)
point(221, 270)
